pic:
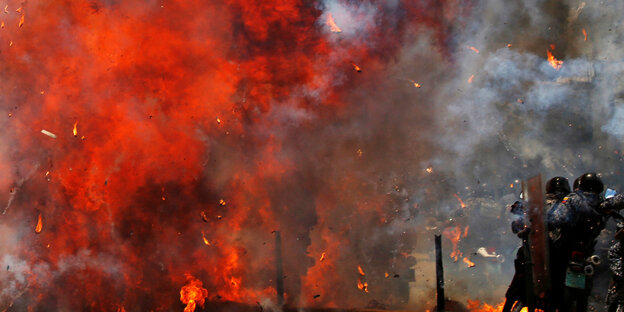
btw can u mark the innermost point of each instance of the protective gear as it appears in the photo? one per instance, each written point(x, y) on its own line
point(615, 295)
point(590, 182)
point(558, 185)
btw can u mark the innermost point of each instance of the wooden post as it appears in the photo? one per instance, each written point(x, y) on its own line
point(439, 273)
point(279, 279)
point(537, 237)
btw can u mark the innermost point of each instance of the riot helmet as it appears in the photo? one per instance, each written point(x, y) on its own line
point(558, 185)
point(590, 182)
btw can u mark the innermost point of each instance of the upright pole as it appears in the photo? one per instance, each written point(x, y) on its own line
point(279, 279)
point(439, 273)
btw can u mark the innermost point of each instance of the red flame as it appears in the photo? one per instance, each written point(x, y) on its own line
point(555, 63)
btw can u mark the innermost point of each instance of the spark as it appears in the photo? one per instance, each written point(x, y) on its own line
point(48, 133)
point(429, 169)
point(362, 286)
point(585, 34)
point(21, 22)
point(222, 202)
point(322, 257)
point(357, 68)
point(470, 78)
point(461, 202)
point(218, 120)
point(75, 130)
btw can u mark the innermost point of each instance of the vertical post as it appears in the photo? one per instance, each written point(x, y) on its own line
point(537, 237)
point(439, 273)
point(279, 279)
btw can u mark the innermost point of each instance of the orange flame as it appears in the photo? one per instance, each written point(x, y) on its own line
point(322, 257)
point(454, 235)
point(361, 271)
point(470, 78)
point(461, 202)
point(477, 306)
point(357, 68)
point(332, 24)
point(39, 226)
point(466, 231)
point(362, 285)
point(585, 34)
point(75, 130)
point(193, 293)
point(468, 262)
point(555, 63)
point(21, 22)
point(222, 202)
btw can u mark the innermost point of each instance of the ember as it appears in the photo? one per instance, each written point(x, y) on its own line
point(39, 225)
point(555, 63)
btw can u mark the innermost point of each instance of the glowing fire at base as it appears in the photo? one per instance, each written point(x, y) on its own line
point(193, 293)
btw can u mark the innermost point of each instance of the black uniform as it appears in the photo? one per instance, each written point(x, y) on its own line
point(615, 296)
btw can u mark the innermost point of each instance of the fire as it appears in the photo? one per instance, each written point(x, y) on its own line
point(585, 34)
point(477, 306)
point(555, 63)
point(429, 169)
point(193, 293)
point(416, 84)
point(357, 68)
point(75, 130)
point(473, 49)
point(332, 25)
point(322, 257)
point(361, 271)
point(362, 285)
point(468, 262)
point(21, 22)
point(461, 202)
point(470, 78)
point(2, 24)
point(222, 202)
point(466, 231)
point(39, 226)
point(218, 120)
point(454, 235)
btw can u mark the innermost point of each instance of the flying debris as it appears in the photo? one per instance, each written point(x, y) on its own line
point(206, 241)
point(585, 34)
point(322, 257)
point(332, 24)
point(429, 169)
point(21, 22)
point(357, 68)
point(222, 202)
point(48, 133)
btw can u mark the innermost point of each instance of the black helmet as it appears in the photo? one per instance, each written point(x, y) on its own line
point(558, 185)
point(590, 182)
